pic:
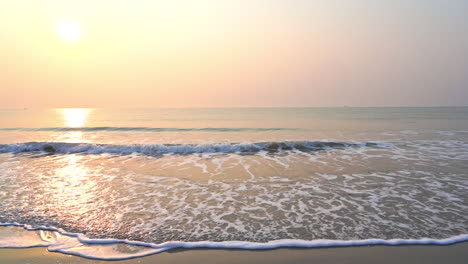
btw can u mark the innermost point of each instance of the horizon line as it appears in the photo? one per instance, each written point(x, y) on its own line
point(237, 107)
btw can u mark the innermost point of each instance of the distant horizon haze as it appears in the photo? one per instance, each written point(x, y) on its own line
point(236, 107)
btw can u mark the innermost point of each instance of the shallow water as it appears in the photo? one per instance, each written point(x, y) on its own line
point(255, 175)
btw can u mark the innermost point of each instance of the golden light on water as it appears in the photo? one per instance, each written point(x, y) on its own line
point(75, 117)
point(72, 188)
point(71, 185)
point(71, 137)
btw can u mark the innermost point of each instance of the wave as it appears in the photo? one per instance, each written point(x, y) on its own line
point(58, 240)
point(148, 129)
point(181, 149)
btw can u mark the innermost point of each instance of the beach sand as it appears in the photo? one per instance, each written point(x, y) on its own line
point(457, 253)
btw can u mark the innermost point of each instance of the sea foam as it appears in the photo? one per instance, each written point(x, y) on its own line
point(160, 149)
point(14, 235)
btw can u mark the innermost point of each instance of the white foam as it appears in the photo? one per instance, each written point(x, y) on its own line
point(161, 149)
point(58, 240)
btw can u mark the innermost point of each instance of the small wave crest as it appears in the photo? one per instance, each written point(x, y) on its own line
point(180, 149)
point(16, 235)
point(148, 129)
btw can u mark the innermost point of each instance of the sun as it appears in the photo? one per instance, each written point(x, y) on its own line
point(69, 30)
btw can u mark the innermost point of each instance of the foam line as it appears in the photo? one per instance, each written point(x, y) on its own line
point(159, 149)
point(101, 249)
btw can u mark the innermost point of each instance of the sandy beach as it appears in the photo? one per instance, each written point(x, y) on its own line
point(453, 254)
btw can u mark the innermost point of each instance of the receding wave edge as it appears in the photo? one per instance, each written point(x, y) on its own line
point(58, 240)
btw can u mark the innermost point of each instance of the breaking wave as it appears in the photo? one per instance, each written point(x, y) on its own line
point(180, 149)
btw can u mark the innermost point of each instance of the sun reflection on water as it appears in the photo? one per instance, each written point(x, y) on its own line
point(72, 187)
point(75, 117)
point(71, 137)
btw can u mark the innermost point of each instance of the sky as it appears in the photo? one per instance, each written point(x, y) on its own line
point(234, 53)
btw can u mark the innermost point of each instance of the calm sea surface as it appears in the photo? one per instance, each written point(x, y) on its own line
point(255, 175)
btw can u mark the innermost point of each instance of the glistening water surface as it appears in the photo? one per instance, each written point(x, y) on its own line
point(252, 175)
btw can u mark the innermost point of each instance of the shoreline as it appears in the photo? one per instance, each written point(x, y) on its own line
point(455, 253)
point(20, 236)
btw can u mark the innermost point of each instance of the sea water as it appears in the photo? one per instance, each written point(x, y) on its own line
point(115, 184)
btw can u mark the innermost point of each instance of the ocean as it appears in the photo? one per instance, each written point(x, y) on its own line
point(117, 184)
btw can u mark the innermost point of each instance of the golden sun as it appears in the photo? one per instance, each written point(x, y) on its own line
point(69, 30)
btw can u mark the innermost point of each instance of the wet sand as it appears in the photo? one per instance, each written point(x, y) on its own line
point(452, 254)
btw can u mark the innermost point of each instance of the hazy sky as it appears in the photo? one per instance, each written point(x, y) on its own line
point(234, 53)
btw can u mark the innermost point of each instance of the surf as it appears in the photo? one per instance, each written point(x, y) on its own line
point(17, 235)
point(180, 149)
